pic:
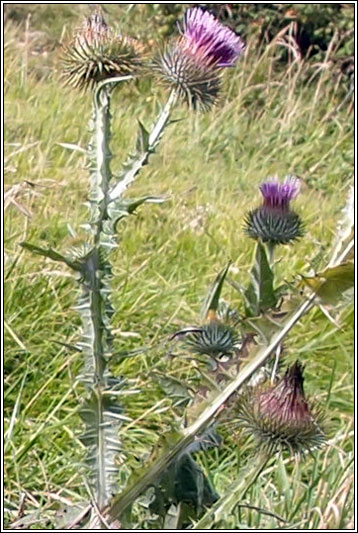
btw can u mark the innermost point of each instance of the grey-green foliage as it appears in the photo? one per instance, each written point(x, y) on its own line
point(101, 408)
point(101, 411)
point(102, 415)
point(212, 299)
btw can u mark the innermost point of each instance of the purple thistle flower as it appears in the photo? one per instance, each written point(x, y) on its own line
point(193, 62)
point(275, 221)
point(277, 195)
point(208, 40)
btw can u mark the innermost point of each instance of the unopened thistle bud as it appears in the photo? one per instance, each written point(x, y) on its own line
point(275, 222)
point(214, 339)
point(96, 53)
point(193, 62)
point(280, 417)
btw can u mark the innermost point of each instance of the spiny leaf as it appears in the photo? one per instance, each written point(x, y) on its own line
point(52, 254)
point(134, 164)
point(124, 207)
point(260, 294)
point(331, 283)
point(211, 302)
point(102, 442)
point(142, 139)
point(146, 145)
point(185, 481)
point(345, 226)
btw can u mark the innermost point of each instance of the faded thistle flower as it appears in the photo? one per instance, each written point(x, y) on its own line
point(280, 417)
point(193, 62)
point(96, 53)
point(274, 221)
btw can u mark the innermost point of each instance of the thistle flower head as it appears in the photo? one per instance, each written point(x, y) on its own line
point(281, 417)
point(275, 221)
point(196, 83)
point(193, 62)
point(214, 339)
point(96, 53)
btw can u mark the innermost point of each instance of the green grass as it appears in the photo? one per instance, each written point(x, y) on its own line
point(272, 119)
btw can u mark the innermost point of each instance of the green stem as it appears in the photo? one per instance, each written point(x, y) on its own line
point(163, 118)
point(100, 154)
point(96, 279)
point(94, 326)
point(270, 247)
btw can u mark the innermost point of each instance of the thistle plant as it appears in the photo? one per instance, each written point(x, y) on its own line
point(279, 415)
point(272, 224)
point(275, 222)
point(100, 60)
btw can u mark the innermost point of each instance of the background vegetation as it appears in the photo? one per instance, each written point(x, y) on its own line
point(286, 108)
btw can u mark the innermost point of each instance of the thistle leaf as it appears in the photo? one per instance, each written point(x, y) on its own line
point(134, 164)
point(52, 254)
point(102, 417)
point(145, 146)
point(211, 302)
point(124, 207)
point(142, 139)
point(345, 227)
point(260, 294)
point(184, 482)
point(331, 283)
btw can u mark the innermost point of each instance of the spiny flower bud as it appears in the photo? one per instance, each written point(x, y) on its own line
point(215, 339)
point(275, 222)
point(280, 417)
point(96, 53)
point(193, 63)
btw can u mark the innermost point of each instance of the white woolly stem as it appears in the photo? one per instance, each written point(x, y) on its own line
point(153, 140)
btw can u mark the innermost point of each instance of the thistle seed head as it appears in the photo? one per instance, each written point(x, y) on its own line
point(96, 53)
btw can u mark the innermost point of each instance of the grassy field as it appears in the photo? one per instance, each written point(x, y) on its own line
point(272, 119)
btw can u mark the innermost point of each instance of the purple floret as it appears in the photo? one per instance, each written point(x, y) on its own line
point(279, 195)
point(206, 38)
